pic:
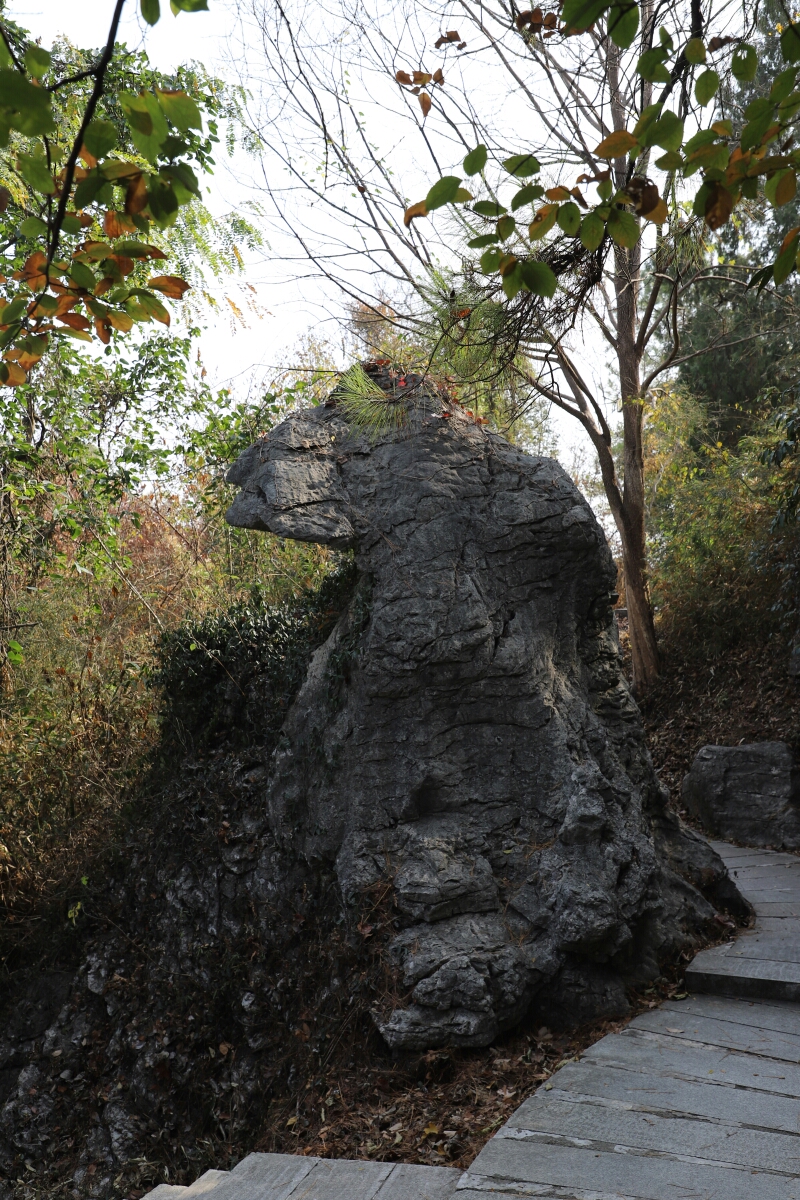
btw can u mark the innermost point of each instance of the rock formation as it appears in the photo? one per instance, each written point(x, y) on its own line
point(466, 733)
point(746, 794)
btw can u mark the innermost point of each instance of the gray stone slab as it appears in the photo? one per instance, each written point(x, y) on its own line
point(556, 1121)
point(733, 1036)
point(477, 1186)
point(770, 947)
point(620, 1173)
point(780, 1017)
point(207, 1185)
point(264, 1177)
point(167, 1191)
point(649, 1092)
point(776, 908)
point(745, 977)
point(337, 1179)
point(409, 1182)
point(683, 1059)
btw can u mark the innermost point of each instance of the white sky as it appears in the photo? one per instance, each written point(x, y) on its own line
point(231, 353)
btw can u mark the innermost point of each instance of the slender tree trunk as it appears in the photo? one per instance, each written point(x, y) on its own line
point(630, 517)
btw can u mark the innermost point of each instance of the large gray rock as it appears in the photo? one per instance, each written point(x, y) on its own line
point(466, 734)
point(746, 794)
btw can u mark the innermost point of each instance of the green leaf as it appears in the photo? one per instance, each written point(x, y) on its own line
point(30, 107)
point(670, 161)
point(512, 282)
point(490, 261)
point(146, 121)
point(790, 43)
point(488, 208)
point(754, 131)
point(783, 85)
point(760, 278)
point(88, 189)
point(462, 196)
point(181, 110)
point(443, 192)
point(188, 6)
point(37, 61)
point(623, 24)
point(580, 14)
point(505, 227)
point(695, 51)
point(703, 137)
point(665, 37)
point(705, 89)
point(71, 224)
point(592, 230)
point(13, 311)
point(522, 165)
point(182, 173)
point(569, 218)
point(82, 277)
point(475, 160)
point(538, 278)
point(624, 228)
point(785, 262)
point(100, 138)
point(33, 227)
point(151, 11)
point(486, 239)
point(526, 195)
point(667, 132)
point(34, 170)
point(651, 65)
point(744, 62)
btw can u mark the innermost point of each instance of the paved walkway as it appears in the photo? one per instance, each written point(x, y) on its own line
point(696, 1100)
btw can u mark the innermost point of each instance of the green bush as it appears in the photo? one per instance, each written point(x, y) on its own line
point(234, 674)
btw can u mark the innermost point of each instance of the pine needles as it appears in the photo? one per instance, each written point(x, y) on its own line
point(366, 407)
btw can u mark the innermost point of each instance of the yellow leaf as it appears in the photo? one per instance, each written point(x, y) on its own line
point(557, 193)
point(430, 1129)
point(616, 144)
point(415, 210)
point(657, 215)
point(291, 1121)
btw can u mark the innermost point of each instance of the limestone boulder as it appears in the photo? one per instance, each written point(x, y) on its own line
point(466, 736)
point(748, 794)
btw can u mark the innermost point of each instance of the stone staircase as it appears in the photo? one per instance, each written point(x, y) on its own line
point(696, 1100)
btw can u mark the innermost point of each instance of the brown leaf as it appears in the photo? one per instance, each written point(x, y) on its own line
point(523, 19)
point(438, 77)
point(105, 285)
point(785, 191)
point(550, 20)
point(422, 77)
point(425, 104)
point(124, 264)
point(136, 195)
point(616, 144)
point(117, 224)
point(5, 196)
point(65, 305)
point(719, 206)
point(414, 210)
point(88, 158)
point(14, 375)
point(404, 78)
point(171, 286)
point(557, 193)
point(74, 320)
point(102, 327)
point(461, 46)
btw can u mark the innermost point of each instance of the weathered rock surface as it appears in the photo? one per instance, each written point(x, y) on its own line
point(466, 732)
point(748, 794)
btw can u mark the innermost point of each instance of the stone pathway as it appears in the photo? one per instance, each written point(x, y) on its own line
point(696, 1100)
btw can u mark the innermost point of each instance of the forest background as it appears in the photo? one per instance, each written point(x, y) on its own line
point(114, 553)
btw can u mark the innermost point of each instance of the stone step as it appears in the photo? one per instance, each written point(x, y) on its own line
point(294, 1177)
